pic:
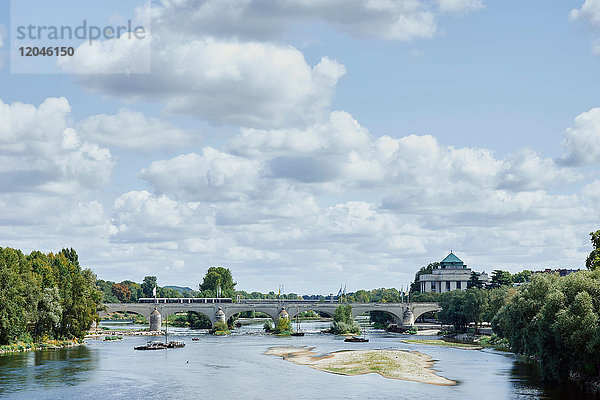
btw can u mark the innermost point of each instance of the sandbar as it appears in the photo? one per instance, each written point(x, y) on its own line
point(392, 364)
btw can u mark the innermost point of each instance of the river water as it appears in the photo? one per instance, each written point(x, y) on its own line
point(236, 367)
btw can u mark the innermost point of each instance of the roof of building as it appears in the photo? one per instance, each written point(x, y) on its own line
point(451, 258)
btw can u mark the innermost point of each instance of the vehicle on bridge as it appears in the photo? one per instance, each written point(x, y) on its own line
point(185, 300)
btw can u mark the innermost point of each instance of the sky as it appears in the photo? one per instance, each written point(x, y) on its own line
point(306, 143)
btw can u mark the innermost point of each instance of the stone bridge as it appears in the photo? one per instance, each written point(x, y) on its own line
point(404, 314)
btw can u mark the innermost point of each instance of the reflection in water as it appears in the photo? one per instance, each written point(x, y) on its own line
point(527, 381)
point(46, 368)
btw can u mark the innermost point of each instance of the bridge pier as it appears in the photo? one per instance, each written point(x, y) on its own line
point(155, 320)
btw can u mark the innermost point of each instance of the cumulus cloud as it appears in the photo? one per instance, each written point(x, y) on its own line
point(39, 151)
point(333, 191)
point(454, 6)
point(223, 61)
point(226, 82)
point(581, 144)
point(132, 130)
point(340, 153)
point(214, 175)
point(393, 20)
point(589, 12)
point(140, 216)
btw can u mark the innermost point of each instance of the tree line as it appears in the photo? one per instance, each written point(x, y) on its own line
point(45, 296)
point(552, 319)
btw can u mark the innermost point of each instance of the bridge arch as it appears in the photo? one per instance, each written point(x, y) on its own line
point(271, 312)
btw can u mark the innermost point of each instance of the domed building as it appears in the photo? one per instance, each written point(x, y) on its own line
point(451, 274)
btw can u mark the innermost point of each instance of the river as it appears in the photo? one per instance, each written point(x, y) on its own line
point(235, 367)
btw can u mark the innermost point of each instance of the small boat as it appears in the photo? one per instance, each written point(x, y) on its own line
point(298, 331)
point(152, 345)
point(195, 339)
point(356, 339)
point(174, 344)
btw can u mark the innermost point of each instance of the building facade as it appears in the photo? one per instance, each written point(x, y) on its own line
point(451, 274)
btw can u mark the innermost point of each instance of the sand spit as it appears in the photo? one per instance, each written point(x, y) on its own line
point(393, 364)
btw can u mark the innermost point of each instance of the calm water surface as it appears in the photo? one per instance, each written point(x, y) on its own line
point(235, 366)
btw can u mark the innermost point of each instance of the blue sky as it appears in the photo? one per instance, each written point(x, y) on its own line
point(307, 143)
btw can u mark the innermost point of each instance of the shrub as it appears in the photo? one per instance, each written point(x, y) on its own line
point(219, 327)
point(268, 326)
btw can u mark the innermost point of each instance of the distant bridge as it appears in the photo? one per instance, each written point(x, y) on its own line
point(404, 314)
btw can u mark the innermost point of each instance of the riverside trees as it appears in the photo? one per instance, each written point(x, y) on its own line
point(45, 295)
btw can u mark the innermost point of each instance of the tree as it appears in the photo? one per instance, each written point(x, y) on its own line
point(343, 321)
point(217, 278)
point(501, 278)
point(476, 306)
point(474, 281)
point(148, 286)
point(49, 312)
point(593, 260)
point(453, 310)
point(122, 292)
point(284, 326)
point(415, 287)
point(522, 277)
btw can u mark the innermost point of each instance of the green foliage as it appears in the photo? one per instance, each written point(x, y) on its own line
point(217, 278)
point(49, 312)
point(501, 278)
point(198, 321)
point(219, 327)
point(284, 326)
point(268, 326)
point(380, 319)
point(474, 281)
point(593, 260)
point(45, 295)
point(556, 321)
point(343, 322)
point(148, 285)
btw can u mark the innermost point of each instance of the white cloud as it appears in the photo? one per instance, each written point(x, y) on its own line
point(40, 152)
point(456, 6)
point(340, 153)
point(140, 216)
point(582, 140)
point(589, 11)
point(393, 20)
point(223, 81)
point(214, 175)
point(133, 131)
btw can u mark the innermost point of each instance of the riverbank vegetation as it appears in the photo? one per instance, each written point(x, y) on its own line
point(45, 297)
point(552, 319)
point(343, 323)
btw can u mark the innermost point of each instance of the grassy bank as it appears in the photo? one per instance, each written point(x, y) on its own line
point(47, 344)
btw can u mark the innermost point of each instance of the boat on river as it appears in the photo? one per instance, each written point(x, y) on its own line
point(175, 344)
point(152, 345)
point(356, 339)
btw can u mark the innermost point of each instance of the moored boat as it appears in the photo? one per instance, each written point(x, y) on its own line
point(356, 339)
point(152, 345)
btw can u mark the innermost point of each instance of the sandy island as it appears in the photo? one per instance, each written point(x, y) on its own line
point(393, 364)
